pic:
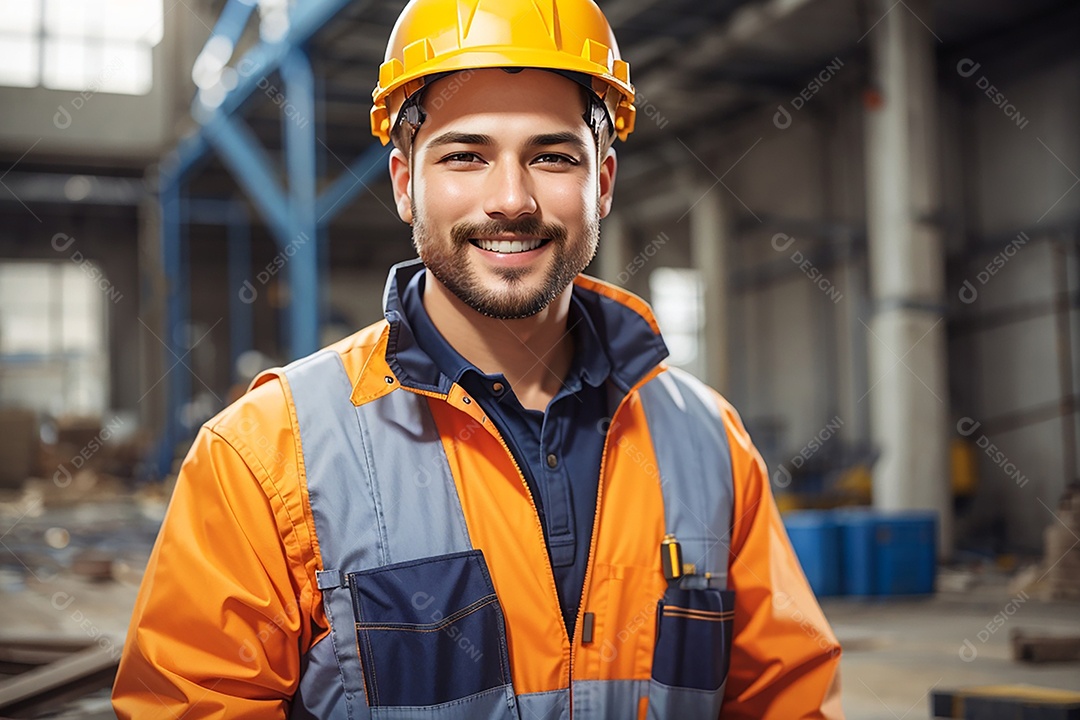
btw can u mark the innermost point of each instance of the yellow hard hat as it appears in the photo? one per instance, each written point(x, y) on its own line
point(440, 36)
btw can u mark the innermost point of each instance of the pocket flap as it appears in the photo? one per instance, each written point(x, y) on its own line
point(421, 592)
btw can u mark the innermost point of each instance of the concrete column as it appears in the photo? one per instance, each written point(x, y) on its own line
point(710, 238)
point(909, 394)
point(614, 253)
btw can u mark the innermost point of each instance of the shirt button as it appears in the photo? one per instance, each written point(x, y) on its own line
point(497, 387)
point(552, 461)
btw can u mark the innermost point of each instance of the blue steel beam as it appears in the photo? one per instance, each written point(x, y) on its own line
point(243, 288)
point(232, 21)
point(305, 19)
point(301, 214)
point(241, 297)
point(241, 152)
point(213, 211)
point(367, 167)
point(178, 382)
point(303, 263)
point(189, 153)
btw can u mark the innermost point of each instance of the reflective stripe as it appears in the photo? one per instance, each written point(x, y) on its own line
point(670, 703)
point(378, 472)
point(375, 474)
point(695, 470)
point(552, 705)
point(611, 698)
point(321, 693)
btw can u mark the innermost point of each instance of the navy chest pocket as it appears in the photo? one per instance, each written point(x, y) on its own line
point(693, 652)
point(431, 632)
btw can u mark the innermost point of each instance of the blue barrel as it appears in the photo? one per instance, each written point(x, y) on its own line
point(857, 536)
point(887, 553)
point(906, 547)
point(816, 540)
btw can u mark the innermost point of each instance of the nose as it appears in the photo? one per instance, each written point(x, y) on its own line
point(509, 192)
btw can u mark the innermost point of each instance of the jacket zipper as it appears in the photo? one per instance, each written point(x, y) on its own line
point(592, 537)
point(596, 523)
point(589, 560)
point(539, 529)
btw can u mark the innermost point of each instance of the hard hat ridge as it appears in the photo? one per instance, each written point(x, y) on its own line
point(435, 37)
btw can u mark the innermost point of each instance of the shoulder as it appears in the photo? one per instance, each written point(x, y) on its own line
point(689, 394)
point(263, 420)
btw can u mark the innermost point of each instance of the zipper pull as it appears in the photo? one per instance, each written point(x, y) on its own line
point(588, 622)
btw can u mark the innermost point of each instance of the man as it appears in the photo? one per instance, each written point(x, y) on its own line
point(498, 502)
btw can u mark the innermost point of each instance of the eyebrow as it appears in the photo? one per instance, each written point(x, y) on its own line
point(458, 138)
point(542, 140)
point(558, 138)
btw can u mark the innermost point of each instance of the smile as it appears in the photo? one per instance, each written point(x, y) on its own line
point(508, 247)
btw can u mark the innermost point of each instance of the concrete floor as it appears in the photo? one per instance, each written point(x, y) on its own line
point(895, 652)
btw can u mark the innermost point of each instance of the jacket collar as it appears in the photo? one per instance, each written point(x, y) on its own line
point(622, 323)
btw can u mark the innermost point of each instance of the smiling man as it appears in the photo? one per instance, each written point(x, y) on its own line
point(498, 502)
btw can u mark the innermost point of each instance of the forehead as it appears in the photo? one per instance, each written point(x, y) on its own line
point(501, 100)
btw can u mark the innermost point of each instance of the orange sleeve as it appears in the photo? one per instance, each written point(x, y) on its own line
point(226, 606)
point(785, 661)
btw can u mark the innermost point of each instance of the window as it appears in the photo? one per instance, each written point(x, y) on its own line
point(95, 45)
point(678, 303)
point(53, 330)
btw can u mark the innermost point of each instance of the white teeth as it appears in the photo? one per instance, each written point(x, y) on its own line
point(510, 246)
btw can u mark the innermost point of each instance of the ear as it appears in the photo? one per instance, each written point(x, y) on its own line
point(401, 180)
point(607, 181)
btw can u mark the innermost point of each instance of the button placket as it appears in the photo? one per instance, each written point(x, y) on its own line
point(560, 512)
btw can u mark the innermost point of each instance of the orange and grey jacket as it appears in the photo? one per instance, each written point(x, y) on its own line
point(348, 542)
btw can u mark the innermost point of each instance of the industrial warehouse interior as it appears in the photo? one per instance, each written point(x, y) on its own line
point(858, 220)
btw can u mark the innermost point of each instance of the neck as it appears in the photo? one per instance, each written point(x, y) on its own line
point(534, 353)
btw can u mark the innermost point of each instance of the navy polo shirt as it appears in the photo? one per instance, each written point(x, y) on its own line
point(559, 450)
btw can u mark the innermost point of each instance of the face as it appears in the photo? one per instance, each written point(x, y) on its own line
point(504, 189)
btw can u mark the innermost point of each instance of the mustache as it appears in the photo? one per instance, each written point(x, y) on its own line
point(463, 231)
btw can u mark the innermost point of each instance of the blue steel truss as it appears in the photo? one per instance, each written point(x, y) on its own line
point(297, 216)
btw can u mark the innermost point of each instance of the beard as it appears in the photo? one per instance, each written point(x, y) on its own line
point(448, 261)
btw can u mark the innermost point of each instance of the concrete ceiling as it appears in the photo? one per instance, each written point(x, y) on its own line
point(698, 65)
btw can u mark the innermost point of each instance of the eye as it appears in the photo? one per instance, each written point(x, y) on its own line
point(461, 158)
point(556, 159)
